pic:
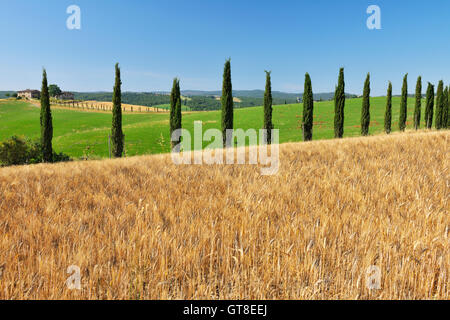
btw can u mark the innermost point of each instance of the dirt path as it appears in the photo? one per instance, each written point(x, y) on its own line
point(103, 107)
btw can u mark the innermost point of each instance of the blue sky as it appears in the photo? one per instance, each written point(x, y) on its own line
point(155, 41)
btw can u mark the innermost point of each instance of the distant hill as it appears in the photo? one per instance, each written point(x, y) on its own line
point(203, 100)
point(260, 94)
point(242, 93)
point(4, 93)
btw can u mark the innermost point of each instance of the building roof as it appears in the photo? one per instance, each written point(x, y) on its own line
point(29, 90)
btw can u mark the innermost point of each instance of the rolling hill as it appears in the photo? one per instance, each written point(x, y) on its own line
point(82, 133)
point(202, 100)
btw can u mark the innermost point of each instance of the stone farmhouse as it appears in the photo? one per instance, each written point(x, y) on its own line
point(65, 96)
point(29, 94)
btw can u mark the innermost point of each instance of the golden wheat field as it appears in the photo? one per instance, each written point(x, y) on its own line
point(144, 228)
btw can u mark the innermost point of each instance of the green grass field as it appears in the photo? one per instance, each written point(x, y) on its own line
point(78, 133)
point(167, 107)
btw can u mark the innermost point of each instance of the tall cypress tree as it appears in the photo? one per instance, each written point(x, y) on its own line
point(339, 104)
point(175, 109)
point(446, 109)
point(178, 107)
point(439, 105)
point(418, 106)
point(365, 111)
point(388, 112)
point(403, 104)
point(308, 109)
point(46, 121)
point(268, 126)
point(429, 106)
point(173, 104)
point(227, 102)
point(116, 130)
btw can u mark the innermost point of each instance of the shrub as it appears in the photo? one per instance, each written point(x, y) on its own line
point(18, 151)
point(13, 151)
point(60, 157)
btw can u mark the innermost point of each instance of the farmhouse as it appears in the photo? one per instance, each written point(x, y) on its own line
point(65, 96)
point(29, 94)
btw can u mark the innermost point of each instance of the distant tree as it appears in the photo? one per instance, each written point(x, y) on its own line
point(429, 106)
point(418, 106)
point(116, 131)
point(308, 109)
point(445, 116)
point(403, 104)
point(339, 104)
point(439, 105)
point(365, 112)
point(268, 126)
point(227, 102)
point(14, 95)
point(388, 113)
point(46, 122)
point(54, 90)
point(7, 94)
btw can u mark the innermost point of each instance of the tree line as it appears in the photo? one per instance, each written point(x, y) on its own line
point(193, 102)
point(442, 119)
point(441, 116)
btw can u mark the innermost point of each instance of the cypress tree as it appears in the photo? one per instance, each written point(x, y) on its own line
point(339, 104)
point(116, 130)
point(175, 109)
point(445, 119)
point(388, 113)
point(227, 102)
point(46, 122)
point(308, 109)
point(268, 126)
point(178, 107)
point(439, 105)
point(173, 103)
point(403, 104)
point(365, 112)
point(429, 106)
point(418, 106)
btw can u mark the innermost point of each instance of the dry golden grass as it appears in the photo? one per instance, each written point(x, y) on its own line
point(91, 106)
point(235, 99)
point(143, 228)
point(126, 107)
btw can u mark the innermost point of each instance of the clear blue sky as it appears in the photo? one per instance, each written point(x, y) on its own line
point(155, 41)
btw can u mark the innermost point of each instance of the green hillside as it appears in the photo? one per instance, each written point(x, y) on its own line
point(202, 100)
point(6, 94)
point(78, 133)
